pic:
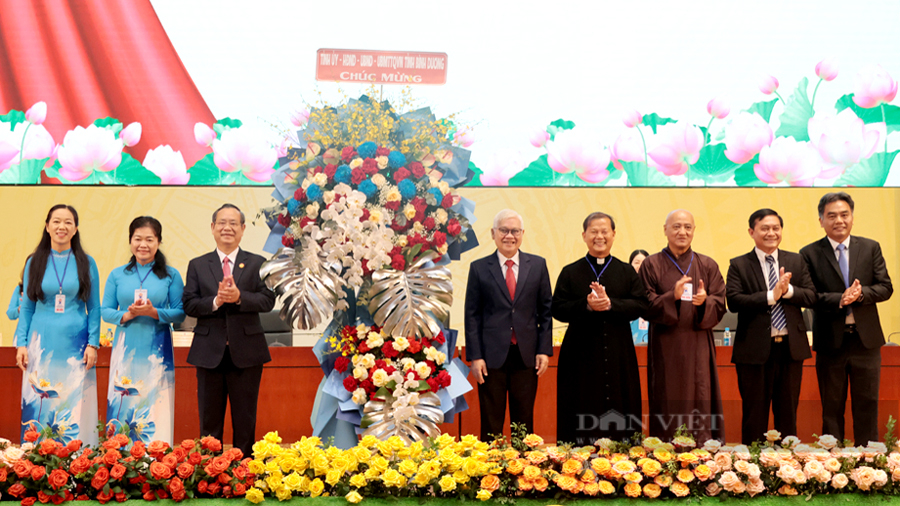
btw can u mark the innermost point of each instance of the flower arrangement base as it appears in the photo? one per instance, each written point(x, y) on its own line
point(418, 422)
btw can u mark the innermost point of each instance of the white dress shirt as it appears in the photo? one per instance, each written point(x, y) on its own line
point(515, 266)
point(770, 296)
point(232, 258)
point(837, 256)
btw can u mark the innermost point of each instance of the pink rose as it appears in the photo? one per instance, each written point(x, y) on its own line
point(717, 108)
point(827, 69)
point(786, 160)
point(678, 148)
point(745, 136)
point(768, 85)
point(873, 87)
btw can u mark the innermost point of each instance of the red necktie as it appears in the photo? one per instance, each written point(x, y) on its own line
point(511, 286)
point(226, 267)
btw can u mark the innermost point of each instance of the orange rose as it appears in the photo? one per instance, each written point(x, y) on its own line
point(533, 440)
point(224, 478)
point(3, 474)
point(74, 445)
point(100, 478)
point(510, 454)
point(111, 444)
point(157, 447)
point(217, 466)
point(17, 490)
point(138, 450)
point(531, 473)
point(663, 480)
point(38, 472)
point(515, 467)
point(685, 475)
point(48, 446)
point(588, 476)
point(117, 471)
point(703, 472)
point(634, 477)
point(210, 443)
point(652, 490)
point(170, 460)
point(31, 435)
point(662, 455)
point(524, 484)
point(680, 489)
point(122, 439)
point(536, 457)
point(188, 444)
point(601, 466)
point(651, 468)
point(567, 482)
point(490, 483)
point(195, 458)
point(79, 465)
point(606, 488)
point(632, 490)
point(571, 466)
point(687, 458)
point(239, 489)
point(160, 471)
point(58, 479)
point(175, 486)
point(43, 497)
point(185, 470)
point(637, 452)
point(541, 484)
point(111, 457)
point(591, 489)
point(179, 453)
point(624, 467)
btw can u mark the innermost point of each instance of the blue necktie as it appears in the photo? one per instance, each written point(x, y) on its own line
point(844, 264)
point(779, 321)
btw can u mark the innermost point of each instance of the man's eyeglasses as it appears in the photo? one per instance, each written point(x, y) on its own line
point(516, 232)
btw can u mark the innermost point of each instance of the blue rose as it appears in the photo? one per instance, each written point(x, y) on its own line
point(437, 194)
point(396, 160)
point(368, 188)
point(294, 206)
point(407, 189)
point(367, 149)
point(313, 193)
point(342, 174)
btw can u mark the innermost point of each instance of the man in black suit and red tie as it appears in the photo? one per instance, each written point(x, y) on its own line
point(225, 293)
point(850, 276)
point(768, 288)
point(509, 329)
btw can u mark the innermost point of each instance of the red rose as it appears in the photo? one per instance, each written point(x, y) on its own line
point(176, 485)
point(121, 497)
point(38, 472)
point(398, 262)
point(398, 227)
point(429, 223)
point(111, 457)
point(212, 444)
point(179, 496)
point(3, 474)
point(110, 444)
point(239, 489)
point(185, 471)
point(82, 497)
point(57, 499)
point(417, 169)
point(29, 501)
point(16, 490)
point(382, 151)
point(74, 445)
point(419, 203)
point(48, 446)
point(363, 347)
point(224, 478)
point(433, 384)
point(158, 447)
point(350, 383)
point(100, 478)
point(80, 465)
point(117, 471)
point(447, 202)
point(58, 479)
point(388, 350)
point(195, 458)
point(180, 453)
point(453, 227)
point(123, 440)
point(42, 497)
point(401, 174)
point(347, 154)
point(105, 497)
point(284, 219)
point(365, 215)
point(188, 444)
point(306, 220)
point(415, 346)
point(148, 496)
point(202, 487)
point(235, 454)
point(217, 466)
point(31, 436)
point(357, 176)
point(170, 460)
point(444, 378)
point(22, 468)
point(239, 472)
point(62, 452)
point(341, 364)
point(160, 471)
point(138, 450)
point(392, 205)
point(330, 169)
point(370, 166)
point(440, 239)
point(213, 488)
point(287, 241)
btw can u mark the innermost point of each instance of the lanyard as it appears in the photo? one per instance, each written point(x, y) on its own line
point(587, 258)
point(142, 279)
point(683, 273)
point(53, 262)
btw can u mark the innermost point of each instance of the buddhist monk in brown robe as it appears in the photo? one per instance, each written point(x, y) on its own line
point(687, 299)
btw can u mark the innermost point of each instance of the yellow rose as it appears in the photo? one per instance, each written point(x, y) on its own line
point(353, 497)
point(461, 476)
point(273, 481)
point(663, 480)
point(515, 467)
point(637, 452)
point(362, 454)
point(316, 487)
point(283, 494)
point(255, 495)
point(358, 481)
point(533, 440)
point(536, 457)
point(679, 489)
point(320, 464)
point(606, 488)
point(396, 443)
point(371, 473)
point(652, 490)
point(490, 483)
point(483, 495)
point(687, 458)
point(685, 476)
point(662, 455)
point(333, 476)
point(256, 467)
point(571, 466)
point(703, 472)
point(601, 466)
point(272, 437)
point(292, 481)
point(408, 467)
point(651, 467)
point(376, 216)
point(447, 483)
point(392, 478)
point(341, 463)
point(632, 490)
point(634, 477)
point(393, 194)
point(472, 467)
point(379, 463)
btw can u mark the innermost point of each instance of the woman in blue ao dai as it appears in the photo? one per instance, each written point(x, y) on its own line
point(58, 333)
point(143, 298)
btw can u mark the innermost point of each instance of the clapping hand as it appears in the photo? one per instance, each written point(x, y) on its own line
point(679, 286)
point(597, 299)
point(781, 287)
point(142, 307)
point(228, 291)
point(851, 294)
point(699, 296)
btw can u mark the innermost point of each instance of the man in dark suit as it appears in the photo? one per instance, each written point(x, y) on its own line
point(850, 277)
point(509, 330)
point(767, 289)
point(225, 293)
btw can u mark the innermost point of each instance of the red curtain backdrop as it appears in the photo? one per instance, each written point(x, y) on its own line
point(91, 59)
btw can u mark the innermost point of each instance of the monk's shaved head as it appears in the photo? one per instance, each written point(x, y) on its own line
point(679, 230)
point(679, 213)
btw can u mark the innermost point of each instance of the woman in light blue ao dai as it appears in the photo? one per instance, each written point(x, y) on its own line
point(143, 298)
point(58, 333)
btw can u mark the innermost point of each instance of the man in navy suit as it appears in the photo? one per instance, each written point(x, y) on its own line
point(225, 293)
point(767, 288)
point(509, 328)
point(850, 277)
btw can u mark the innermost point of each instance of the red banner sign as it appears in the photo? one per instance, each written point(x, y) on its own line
point(381, 67)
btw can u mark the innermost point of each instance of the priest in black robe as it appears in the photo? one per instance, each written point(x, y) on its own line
point(598, 383)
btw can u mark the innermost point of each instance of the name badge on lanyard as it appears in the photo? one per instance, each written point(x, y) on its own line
point(140, 294)
point(60, 303)
point(688, 293)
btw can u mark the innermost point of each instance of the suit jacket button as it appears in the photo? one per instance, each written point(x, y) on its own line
point(513, 310)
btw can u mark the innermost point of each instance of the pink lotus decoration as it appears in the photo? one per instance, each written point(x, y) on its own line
point(787, 160)
point(300, 118)
point(768, 85)
point(843, 140)
point(241, 149)
point(718, 108)
point(85, 150)
point(167, 164)
point(8, 154)
point(464, 138)
point(628, 148)
point(131, 135)
point(204, 135)
point(37, 113)
point(539, 138)
point(745, 136)
point(827, 69)
point(501, 167)
point(39, 144)
point(633, 118)
point(873, 86)
point(678, 148)
point(575, 151)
